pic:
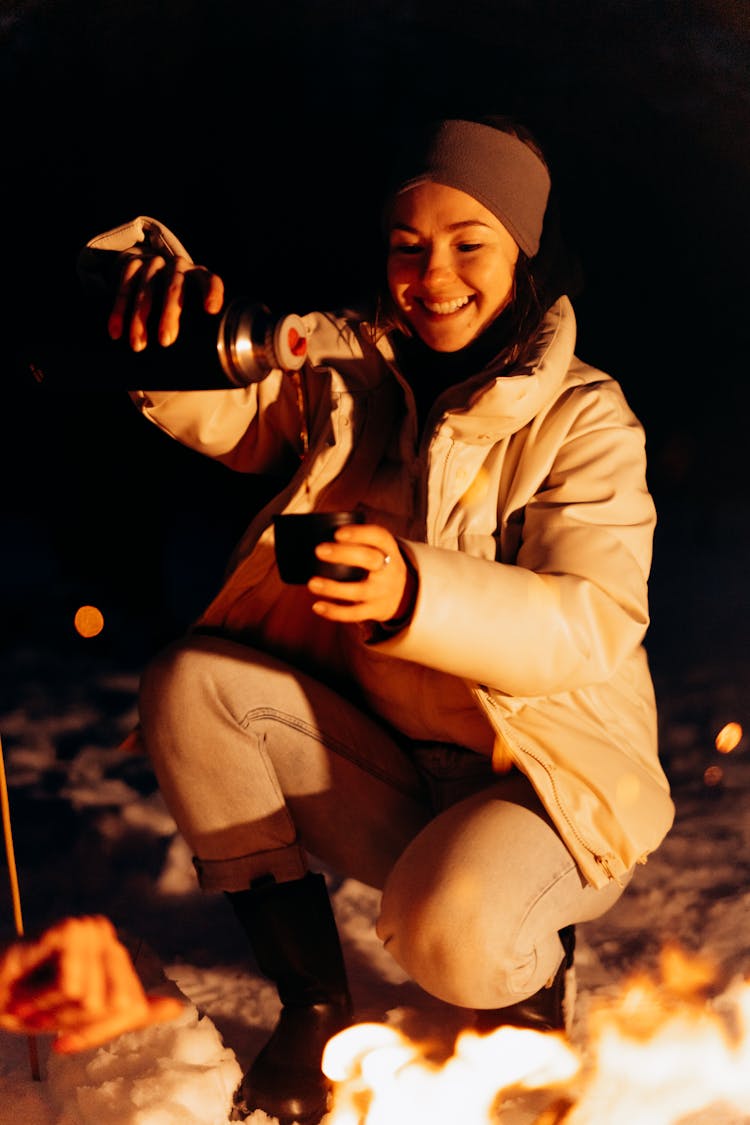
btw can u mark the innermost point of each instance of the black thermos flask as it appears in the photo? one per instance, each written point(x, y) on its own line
point(69, 348)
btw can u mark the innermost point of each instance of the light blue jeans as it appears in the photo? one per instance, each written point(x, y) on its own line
point(264, 769)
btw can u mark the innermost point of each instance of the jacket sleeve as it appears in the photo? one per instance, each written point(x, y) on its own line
point(142, 233)
point(251, 429)
point(574, 603)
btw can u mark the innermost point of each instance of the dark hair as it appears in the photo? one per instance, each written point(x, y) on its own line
point(538, 281)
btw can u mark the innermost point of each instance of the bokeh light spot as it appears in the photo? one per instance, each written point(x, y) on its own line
point(88, 621)
point(728, 738)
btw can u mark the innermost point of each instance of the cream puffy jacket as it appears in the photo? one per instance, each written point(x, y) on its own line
point(527, 517)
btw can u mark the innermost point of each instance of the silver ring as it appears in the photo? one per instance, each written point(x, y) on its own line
point(386, 560)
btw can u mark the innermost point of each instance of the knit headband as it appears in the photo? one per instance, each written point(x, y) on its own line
point(495, 168)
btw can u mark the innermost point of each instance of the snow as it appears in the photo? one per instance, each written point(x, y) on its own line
point(175, 1072)
point(93, 835)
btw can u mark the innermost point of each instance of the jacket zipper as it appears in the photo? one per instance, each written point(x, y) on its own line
point(516, 744)
point(431, 511)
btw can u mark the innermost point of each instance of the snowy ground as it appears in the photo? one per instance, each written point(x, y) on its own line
point(91, 834)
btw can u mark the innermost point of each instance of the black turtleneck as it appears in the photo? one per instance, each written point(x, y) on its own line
point(429, 372)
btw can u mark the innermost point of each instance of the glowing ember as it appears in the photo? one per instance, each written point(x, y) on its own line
point(728, 738)
point(88, 621)
point(664, 1053)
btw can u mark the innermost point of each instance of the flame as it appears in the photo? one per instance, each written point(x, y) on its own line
point(664, 1052)
point(656, 1061)
point(384, 1079)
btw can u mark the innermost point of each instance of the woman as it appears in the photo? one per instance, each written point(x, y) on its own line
point(471, 727)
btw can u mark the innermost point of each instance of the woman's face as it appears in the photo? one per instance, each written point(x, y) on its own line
point(450, 264)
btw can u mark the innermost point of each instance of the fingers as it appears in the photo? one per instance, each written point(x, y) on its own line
point(210, 287)
point(158, 282)
point(213, 292)
point(174, 300)
point(116, 323)
point(377, 543)
point(143, 301)
point(378, 596)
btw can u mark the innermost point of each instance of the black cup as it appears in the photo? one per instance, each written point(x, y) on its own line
point(297, 536)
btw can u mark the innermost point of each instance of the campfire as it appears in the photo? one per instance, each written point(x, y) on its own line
point(669, 1051)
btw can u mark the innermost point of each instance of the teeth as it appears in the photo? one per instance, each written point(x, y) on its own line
point(445, 307)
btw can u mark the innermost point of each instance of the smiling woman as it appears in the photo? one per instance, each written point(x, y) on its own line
point(469, 726)
point(451, 265)
point(457, 228)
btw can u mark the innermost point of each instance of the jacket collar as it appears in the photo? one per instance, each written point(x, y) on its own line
point(484, 407)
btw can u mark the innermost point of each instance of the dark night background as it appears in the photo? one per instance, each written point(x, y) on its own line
point(257, 132)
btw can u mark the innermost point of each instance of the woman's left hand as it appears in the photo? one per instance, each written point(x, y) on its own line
point(388, 591)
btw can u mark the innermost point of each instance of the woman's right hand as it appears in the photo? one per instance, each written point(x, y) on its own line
point(145, 280)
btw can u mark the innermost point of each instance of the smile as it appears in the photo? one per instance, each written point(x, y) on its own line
point(444, 308)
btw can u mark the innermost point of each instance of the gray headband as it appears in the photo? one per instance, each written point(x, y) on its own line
point(496, 168)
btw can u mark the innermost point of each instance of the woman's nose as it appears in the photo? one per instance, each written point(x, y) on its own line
point(436, 264)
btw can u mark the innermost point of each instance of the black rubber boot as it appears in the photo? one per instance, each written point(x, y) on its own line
point(549, 1009)
point(293, 935)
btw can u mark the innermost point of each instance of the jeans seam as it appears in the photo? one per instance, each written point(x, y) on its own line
point(540, 896)
point(329, 741)
point(552, 883)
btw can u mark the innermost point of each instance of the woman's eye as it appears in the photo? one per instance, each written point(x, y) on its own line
point(469, 247)
point(406, 249)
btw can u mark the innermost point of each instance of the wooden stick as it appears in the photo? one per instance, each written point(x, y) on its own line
point(15, 894)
